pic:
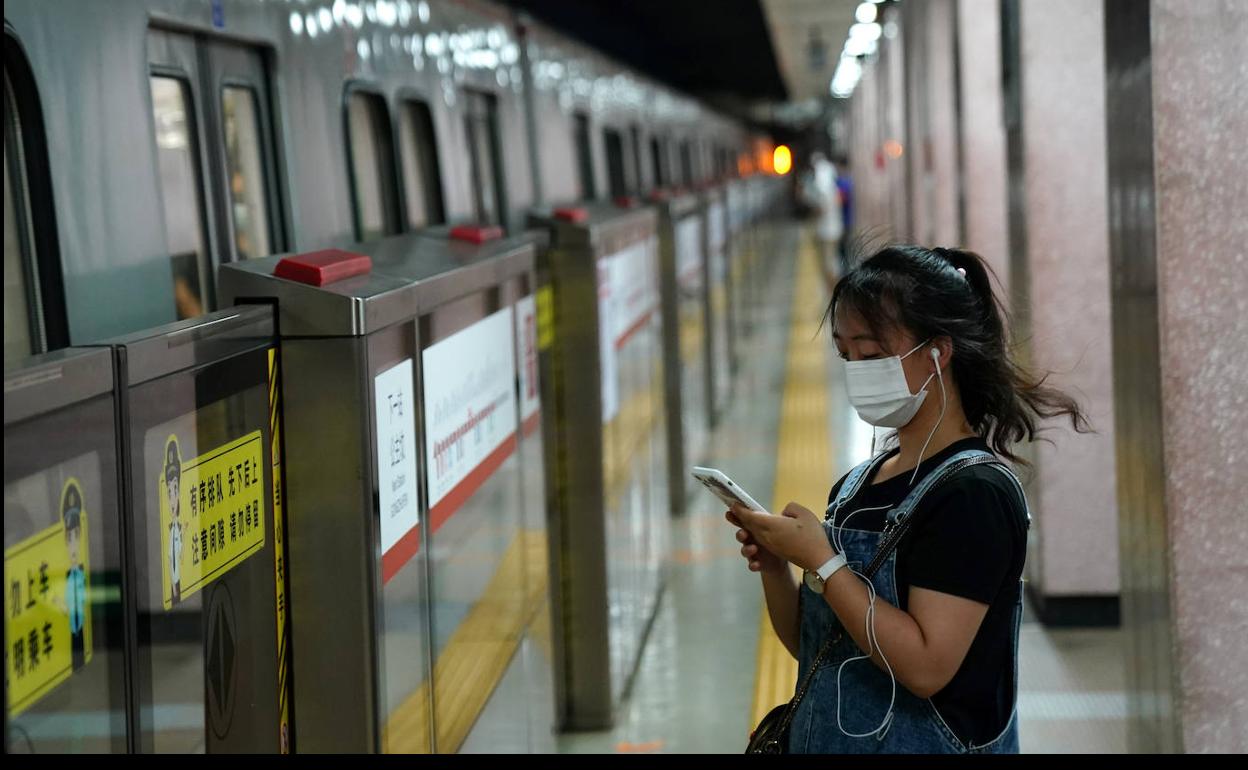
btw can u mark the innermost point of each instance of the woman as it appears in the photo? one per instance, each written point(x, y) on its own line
point(938, 523)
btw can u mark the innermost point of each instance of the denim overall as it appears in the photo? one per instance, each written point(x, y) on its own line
point(865, 690)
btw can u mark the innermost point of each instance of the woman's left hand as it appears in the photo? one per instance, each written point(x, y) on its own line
point(796, 534)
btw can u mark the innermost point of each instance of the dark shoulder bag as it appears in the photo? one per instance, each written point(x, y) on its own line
point(772, 734)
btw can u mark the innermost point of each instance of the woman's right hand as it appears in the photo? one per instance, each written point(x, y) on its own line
point(758, 557)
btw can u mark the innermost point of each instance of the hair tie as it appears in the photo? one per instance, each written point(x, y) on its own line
point(961, 270)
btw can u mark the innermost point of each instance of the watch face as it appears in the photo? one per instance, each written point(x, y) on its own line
point(813, 582)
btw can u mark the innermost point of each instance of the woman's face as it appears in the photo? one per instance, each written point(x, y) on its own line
point(855, 341)
point(73, 543)
point(172, 485)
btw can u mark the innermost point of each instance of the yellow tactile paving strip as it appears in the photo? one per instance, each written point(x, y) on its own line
point(804, 457)
point(478, 653)
point(623, 439)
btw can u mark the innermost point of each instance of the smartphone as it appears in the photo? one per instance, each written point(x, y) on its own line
point(725, 488)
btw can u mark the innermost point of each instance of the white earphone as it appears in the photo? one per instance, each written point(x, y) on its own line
point(944, 403)
point(872, 640)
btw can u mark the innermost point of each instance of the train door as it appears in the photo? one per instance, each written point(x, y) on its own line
point(214, 130)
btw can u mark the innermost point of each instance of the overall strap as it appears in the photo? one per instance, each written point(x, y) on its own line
point(856, 478)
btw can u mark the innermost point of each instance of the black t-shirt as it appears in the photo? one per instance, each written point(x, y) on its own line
point(968, 539)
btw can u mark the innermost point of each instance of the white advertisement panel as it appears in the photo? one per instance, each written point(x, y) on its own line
point(470, 410)
point(399, 505)
point(689, 252)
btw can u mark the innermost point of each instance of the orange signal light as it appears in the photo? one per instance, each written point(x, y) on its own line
point(782, 160)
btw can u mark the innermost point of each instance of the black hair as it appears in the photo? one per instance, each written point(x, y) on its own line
point(924, 292)
point(173, 463)
point(71, 508)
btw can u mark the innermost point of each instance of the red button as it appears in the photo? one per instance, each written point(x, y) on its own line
point(476, 233)
point(573, 214)
point(321, 267)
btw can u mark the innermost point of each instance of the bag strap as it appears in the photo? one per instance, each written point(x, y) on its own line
point(1022, 493)
point(934, 477)
point(806, 680)
point(900, 518)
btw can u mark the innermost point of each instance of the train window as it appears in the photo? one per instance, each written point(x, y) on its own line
point(422, 184)
point(176, 147)
point(216, 159)
point(245, 173)
point(656, 159)
point(481, 124)
point(584, 156)
point(686, 164)
point(372, 166)
point(615, 162)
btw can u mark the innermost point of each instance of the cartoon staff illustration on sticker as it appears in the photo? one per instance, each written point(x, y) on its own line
point(173, 483)
point(74, 517)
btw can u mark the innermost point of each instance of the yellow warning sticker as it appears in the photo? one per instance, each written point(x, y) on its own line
point(545, 317)
point(211, 513)
point(46, 604)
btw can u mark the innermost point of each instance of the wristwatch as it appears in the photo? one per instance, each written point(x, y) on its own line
point(815, 580)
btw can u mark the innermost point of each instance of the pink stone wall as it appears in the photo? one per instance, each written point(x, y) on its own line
point(870, 210)
point(1073, 494)
point(983, 133)
point(893, 62)
point(942, 124)
point(1200, 113)
point(918, 147)
point(877, 115)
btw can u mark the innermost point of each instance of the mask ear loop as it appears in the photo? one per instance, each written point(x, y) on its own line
point(944, 403)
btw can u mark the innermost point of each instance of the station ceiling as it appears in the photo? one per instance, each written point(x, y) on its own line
point(769, 61)
point(718, 50)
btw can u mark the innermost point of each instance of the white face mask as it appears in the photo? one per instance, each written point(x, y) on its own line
point(879, 393)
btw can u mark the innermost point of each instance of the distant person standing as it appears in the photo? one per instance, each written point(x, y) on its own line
point(845, 185)
point(829, 227)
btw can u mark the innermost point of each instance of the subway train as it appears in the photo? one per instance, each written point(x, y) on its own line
point(355, 357)
point(150, 142)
